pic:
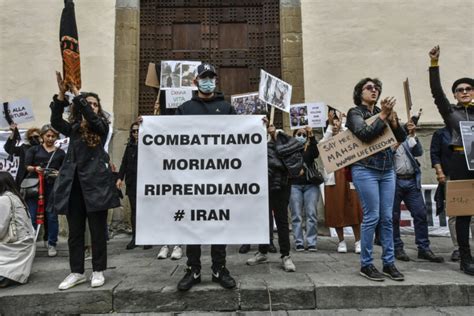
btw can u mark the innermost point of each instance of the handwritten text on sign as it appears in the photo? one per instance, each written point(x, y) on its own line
point(345, 148)
point(460, 198)
point(176, 97)
point(202, 180)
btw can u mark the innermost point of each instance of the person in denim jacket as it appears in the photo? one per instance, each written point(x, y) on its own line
point(374, 176)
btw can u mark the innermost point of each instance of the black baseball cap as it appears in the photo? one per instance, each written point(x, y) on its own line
point(206, 68)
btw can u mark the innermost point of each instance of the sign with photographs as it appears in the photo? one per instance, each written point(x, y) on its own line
point(178, 74)
point(21, 111)
point(345, 148)
point(202, 181)
point(176, 97)
point(467, 133)
point(274, 91)
point(248, 103)
point(307, 114)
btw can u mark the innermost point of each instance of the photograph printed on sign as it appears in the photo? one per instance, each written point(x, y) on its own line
point(248, 103)
point(189, 73)
point(170, 74)
point(298, 116)
point(467, 133)
point(274, 91)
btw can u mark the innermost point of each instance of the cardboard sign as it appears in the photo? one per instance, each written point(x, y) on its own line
point(151, 79)
point(460, 197)
point(274, 91)
point(176, 97)
point(307, 114)
point(21, 111)
point(203, 180)
point(345, 148)
point(467, 134)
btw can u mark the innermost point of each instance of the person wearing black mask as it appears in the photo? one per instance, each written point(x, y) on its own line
point(206, 102)
point(32, 138)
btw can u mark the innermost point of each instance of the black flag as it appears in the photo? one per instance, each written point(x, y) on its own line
point(69, 42)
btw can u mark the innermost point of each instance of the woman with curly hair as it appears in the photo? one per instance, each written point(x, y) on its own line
point(85, 187)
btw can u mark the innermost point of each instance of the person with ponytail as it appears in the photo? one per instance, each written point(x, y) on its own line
point(85, 188)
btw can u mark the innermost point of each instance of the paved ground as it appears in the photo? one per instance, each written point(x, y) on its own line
point(325, 283)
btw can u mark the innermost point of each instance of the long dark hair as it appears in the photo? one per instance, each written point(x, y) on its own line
point(358, 89)
point(7, 183)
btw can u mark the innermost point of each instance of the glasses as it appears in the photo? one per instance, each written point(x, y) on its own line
point(301, 134)
point(372, 88)
point(134, 130)
point(464, 90)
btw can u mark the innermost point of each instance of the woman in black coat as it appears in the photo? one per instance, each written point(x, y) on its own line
point(85, 186)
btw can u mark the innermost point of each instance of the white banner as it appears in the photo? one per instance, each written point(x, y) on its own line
point(21, 111)
point(202, 180)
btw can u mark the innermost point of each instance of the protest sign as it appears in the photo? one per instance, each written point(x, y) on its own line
point(202, 180)
point(151, 79)
point(176, 97)
point(307, 114)
point(460, 198)
point(345, 148)
point(467, 133)
point(274, 91)
point(177, 74)
point(21, 111)
point(10, 166)
point(248, 103)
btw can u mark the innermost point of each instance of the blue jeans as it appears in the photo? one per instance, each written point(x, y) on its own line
point(53, 226)
point(304, 198)
point(376, 191)
point(407, 191)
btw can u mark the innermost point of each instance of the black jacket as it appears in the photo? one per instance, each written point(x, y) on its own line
point(198, 106)
point(309, 155)
point(356, 117)
point(285, 160)
point(20, 151)
point(128, 168)
point(89, 164)
point(452, 113)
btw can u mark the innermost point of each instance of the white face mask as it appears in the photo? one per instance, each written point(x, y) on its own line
point(207, 85)
point(301, 139)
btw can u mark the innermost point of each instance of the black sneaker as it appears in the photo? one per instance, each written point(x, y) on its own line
point(131, 244)
point(192, 276)
point(455, 256)
point(272, 248)
point(222, 276)
point(430, 256)
point(401, 255)
point(244, 249)
point(371, 273)
point(299, 248)
point(392, 272)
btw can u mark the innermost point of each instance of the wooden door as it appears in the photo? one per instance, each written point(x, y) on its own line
point(238, 37)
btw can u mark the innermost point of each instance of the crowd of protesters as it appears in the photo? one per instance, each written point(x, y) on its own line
point(365, 196)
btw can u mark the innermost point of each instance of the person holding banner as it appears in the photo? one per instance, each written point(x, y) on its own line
point(342, 207)
point(32, 138)
point(285, 160)
point(17, 236)
point(85, 188)
point(46, 159)
point(374, 176)
point(128, 171)
point(206, 101)
point(452, 114)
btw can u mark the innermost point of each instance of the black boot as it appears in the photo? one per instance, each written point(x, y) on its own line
point(272, 248)
point(131, 244)
point(466, 261)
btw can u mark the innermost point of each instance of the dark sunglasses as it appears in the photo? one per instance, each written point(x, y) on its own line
point(464, 90)
point(371, 87)
point(301, 134)
point(134, 130)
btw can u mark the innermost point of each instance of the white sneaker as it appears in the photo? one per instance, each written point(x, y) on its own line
point(288, 264)
point(357, 247)
point(97, 279)
point(177, 253)
point(257, 259)
point(52, 252)
point(163, 253)
point(342, 247)
point(71, 280)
